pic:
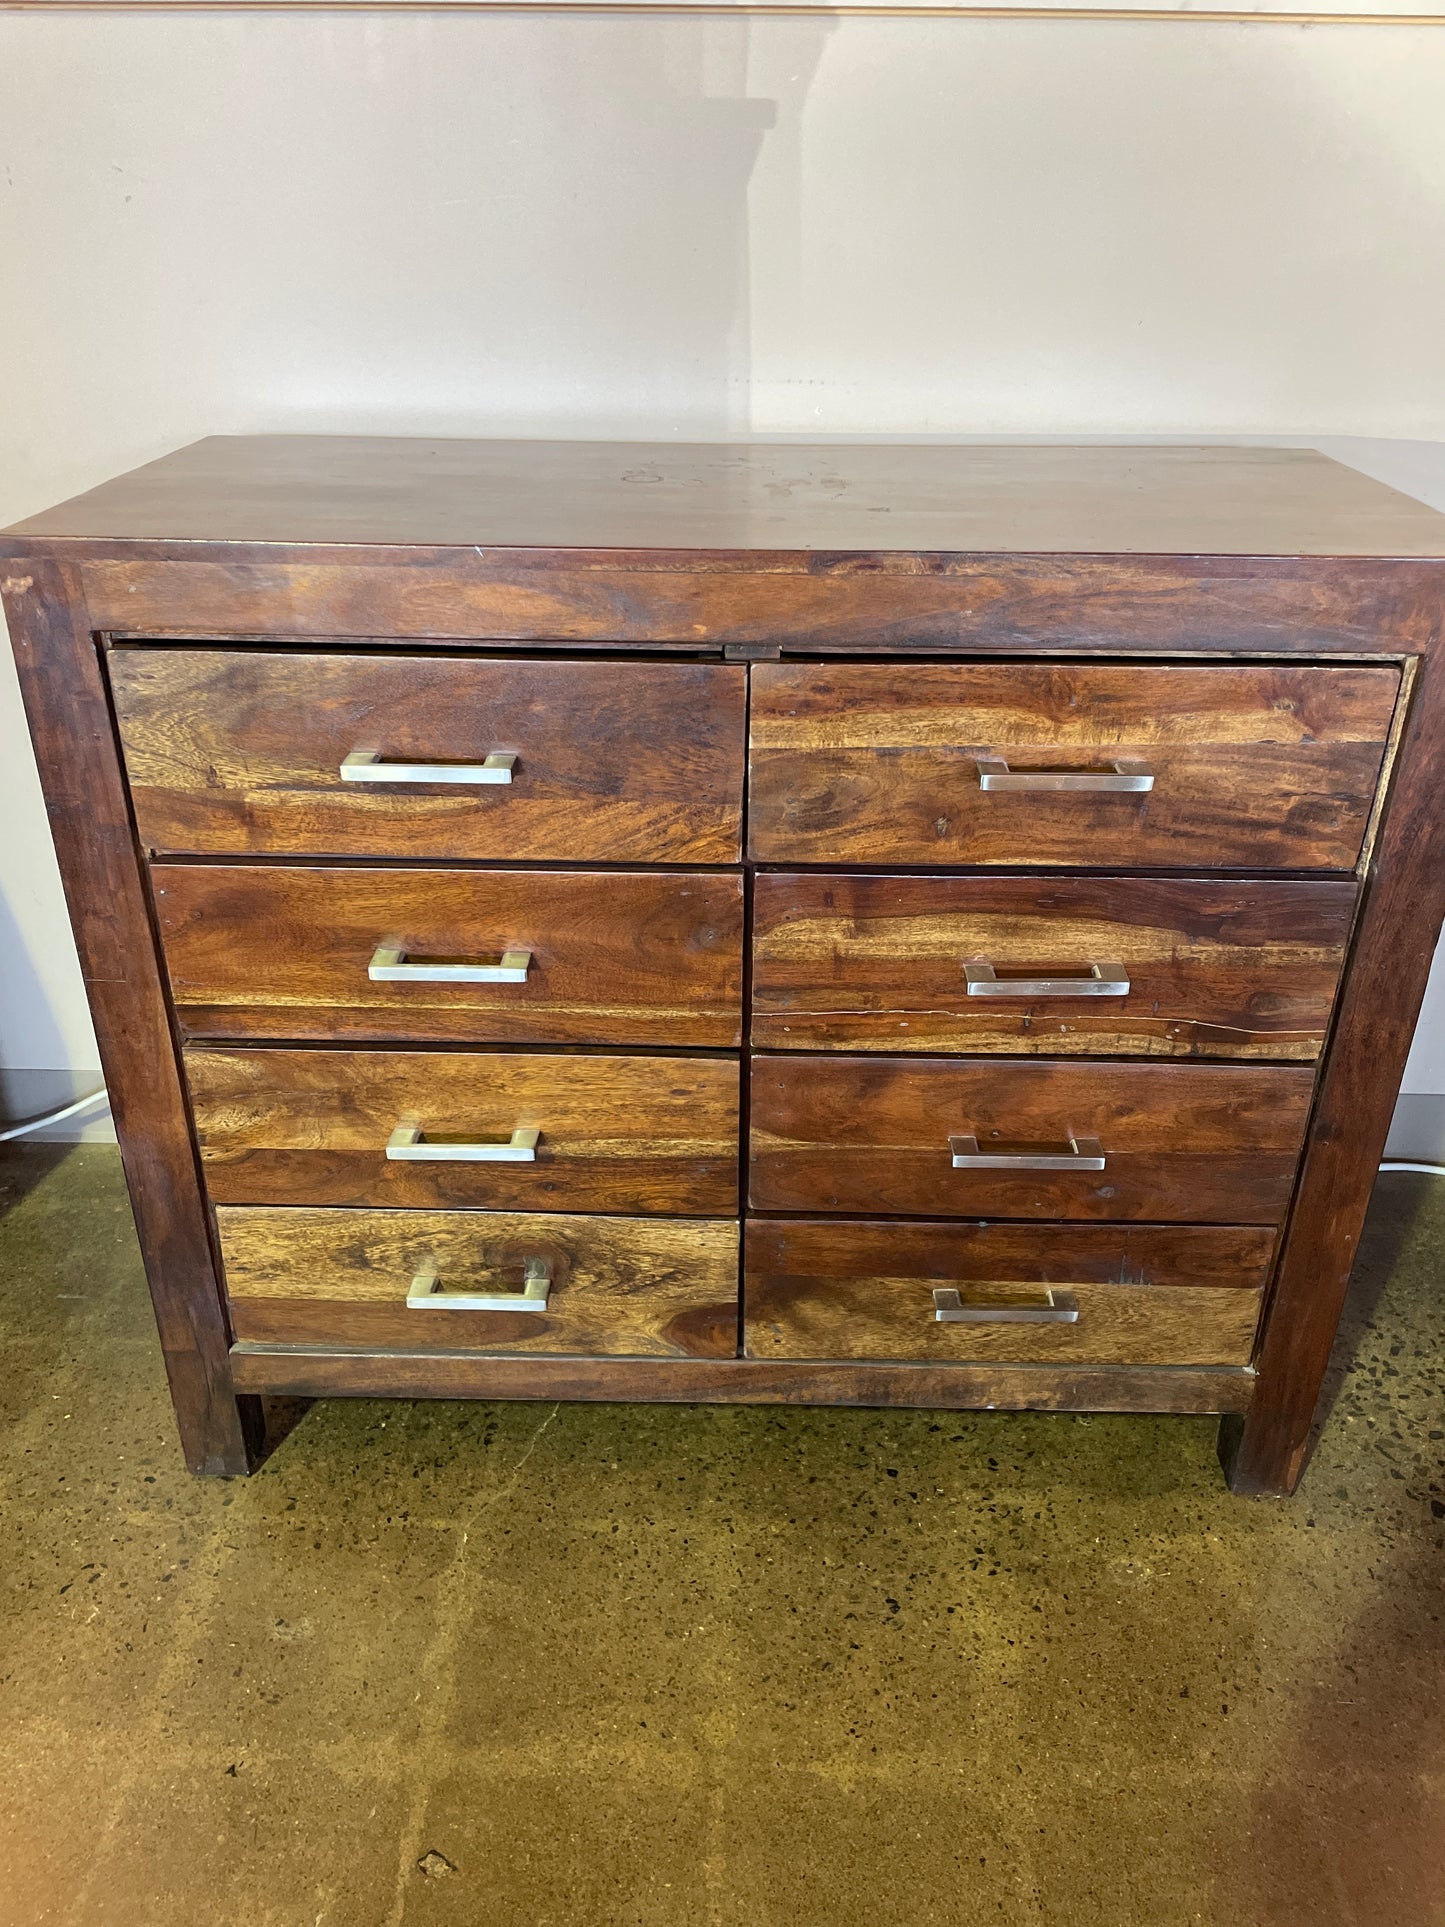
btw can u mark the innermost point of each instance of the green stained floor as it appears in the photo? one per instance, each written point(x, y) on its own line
point(439, 1665)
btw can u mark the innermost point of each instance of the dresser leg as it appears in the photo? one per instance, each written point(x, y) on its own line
point(236, 1432)
point(1252, 1470)
point(224, 1434)
point(230, 1443)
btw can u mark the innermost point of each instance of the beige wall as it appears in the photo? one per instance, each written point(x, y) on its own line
point(671, 226)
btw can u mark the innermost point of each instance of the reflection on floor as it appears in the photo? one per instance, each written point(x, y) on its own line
point(611, 1665)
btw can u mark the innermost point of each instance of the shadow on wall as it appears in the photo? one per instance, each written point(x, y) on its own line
point(47, 1056)
point(30, 1034)
point(35, 1076)
point(594, 220)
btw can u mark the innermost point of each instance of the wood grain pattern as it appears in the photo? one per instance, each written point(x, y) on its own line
point(65, 701)
point(619, 1134)
point(844, 603)
point(1030, 498)
point(617, 958)
point(1254, 767)
point(1024, 554)
point(1148, 1295)
point(235, 752)
point(1389, 967)
point(1216, 970)
point(1203, 1143)
point(316, 1372)
point(635, 1286)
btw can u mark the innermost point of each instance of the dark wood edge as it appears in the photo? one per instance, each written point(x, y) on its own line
point(876, 604)
point(474, 558)
point(1409, 668)
point(1204, 1390)
point(88, 806)
point(686, 650)
point(1402, 907)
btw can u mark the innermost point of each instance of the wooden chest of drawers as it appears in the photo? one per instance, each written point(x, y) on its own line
point(934, 926)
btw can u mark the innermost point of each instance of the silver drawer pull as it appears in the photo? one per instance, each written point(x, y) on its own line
point(1125, 776)
point(1055, 1308)
point(406, 1145)
point(1098, 980)
point(428, 1293)
point(366, 766)
point(390, 964)
point(1085, 1154)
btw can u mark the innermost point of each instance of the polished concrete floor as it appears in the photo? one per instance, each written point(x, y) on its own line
point(443, 1665)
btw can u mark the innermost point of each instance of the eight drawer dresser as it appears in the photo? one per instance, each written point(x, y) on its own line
point(934, 926)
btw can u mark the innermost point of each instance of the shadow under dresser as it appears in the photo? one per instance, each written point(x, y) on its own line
point(876, 925)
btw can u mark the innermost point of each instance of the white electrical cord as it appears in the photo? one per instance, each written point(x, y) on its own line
point(1402, 1164)
point(52, 1117)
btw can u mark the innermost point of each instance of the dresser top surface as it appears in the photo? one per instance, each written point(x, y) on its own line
point(1066, 499)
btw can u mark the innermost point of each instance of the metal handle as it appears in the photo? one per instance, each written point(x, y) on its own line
point(366, 766)
point(1126, 775)
point(1054, 1309)
point(1097, 980)
point(406, 1145)
point(390, 964)
point(427, 1292)
point(1084, 1154)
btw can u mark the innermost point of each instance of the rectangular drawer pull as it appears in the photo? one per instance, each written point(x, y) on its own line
point(1126, 776)
point(949, 1308)
point(1085, 1154)
point(390, 964)
point(406, 1145)
point(366, 766)
point(1097, 980)
point(427, 1292)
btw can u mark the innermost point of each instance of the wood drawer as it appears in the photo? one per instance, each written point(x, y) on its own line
point(1214, 969)
point(636, 1287)
point(1203, 1143)
point(616, 958)
point(1252, 767)
point(1142, 1294)
point(232, 751)
point(617, 1134)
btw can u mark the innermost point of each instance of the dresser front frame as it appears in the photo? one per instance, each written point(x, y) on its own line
point(65, 599)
